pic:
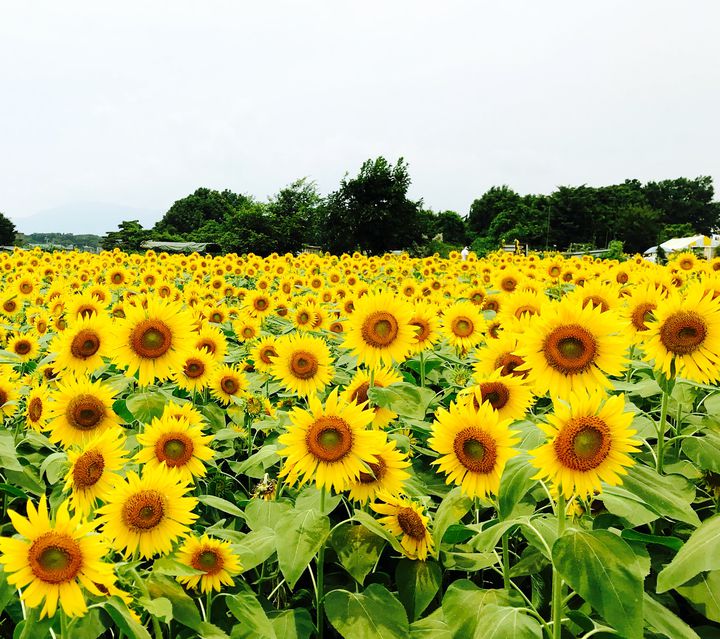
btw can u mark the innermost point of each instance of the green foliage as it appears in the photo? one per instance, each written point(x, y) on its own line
point(372, 212)
point(129, 238)
point(7, 231)
point(615, 251)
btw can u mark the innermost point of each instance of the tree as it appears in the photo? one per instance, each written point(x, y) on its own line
point(129, 238)
point(372, 211)
point(685, 200)
point(204, 205)
point(452, 226)
point(496, 200)
point(294, 216)
point(7, 231)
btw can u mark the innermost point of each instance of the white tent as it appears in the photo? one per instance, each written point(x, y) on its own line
point(687, 243)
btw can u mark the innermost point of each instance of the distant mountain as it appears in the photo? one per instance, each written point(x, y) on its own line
point(83, 218)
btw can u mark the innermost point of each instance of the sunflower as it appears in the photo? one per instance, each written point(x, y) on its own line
point(329, 444)
point(246, 327)
point(83, 344)
point(357, 391)
point(263, 354)
point(507, 395)
point(379, 330)
point(406, 518)
point(684, 339)
point(589, 443)
point(185, 411)
point(177, 444)
point(303, 364)
point(80, 409)
point(49, 562)
point(216, 559)
point(8, 395)
point(597, 293)
point(148, 514)
point(570, 347)
point(35, 407)
point(92, 473)
point(196, 371)
point(463, 325)
point(474, 444)
point(385, 475)
point(424, 321)
point(500, 354)
point(212, 340)
point(24, 346)
point(640, 306)
point(228, 382)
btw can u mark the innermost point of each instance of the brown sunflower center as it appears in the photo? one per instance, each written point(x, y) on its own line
point(151, 338)
point(10, 306)
point(476, 450)
point(26, 287)
point(267, 353)
point(641, 314)
point(596, 301)
point(303, 365)
point(683, 332)
point(23, 347)
point(35, 409)
point(261, 304)
point(508, 284)
point(208, 345)
point(229, 385)
point(507, 363)
point(175, 449)
point(411, 523)
point(329, 438)
point(462, 326)
point(208, 560)
point(85, 344)
point(525, 309)
point(86, 311)
point(117, 278)
point(422, 329)
point(583, 443)
point(85, 411)
point(379, 329)
point(144, 510)
point(194, 368)
point(378, 472)
point(3, 397)
point(360, 394)
point(55, 558)
point(570, 349)
point(494, 392)
point(88, 469)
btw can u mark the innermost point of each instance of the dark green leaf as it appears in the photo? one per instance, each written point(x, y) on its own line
point(704, 451)
point(125, 622)
point(703, 592)
point(8, 454)
point(184, 609)
point(357, 548)
point(145, 405)
point(464, 606)
point(515, 483)
point(293, 624)
point(372, 614)
point(663, 620)
point(299, 535)
point(418, 582)
point(701, 552)
point(604, 571)
point(221, 504)
point(503, 622)
point(451, 510)
point(254, 623)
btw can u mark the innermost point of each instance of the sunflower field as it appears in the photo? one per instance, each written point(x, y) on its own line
point(360, 447)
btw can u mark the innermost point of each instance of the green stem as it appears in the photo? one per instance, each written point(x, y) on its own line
point(661, 431)
point(321, 577)
point(208, 604)
point(506, 561)
point(557, 582)
point(157, 631)
point(422, 369)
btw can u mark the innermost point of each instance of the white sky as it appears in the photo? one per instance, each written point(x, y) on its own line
point(107, 107)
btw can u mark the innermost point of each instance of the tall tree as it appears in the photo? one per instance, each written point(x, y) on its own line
point(128, 238)
point(293, 214)
point(496, 200)
point(192, 212)
point(7, 231)
point(685, 200)
point(372, 211)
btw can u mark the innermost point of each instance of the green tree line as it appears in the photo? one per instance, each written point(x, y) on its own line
point(372, 212)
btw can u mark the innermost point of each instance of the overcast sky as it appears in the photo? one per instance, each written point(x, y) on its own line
point(108, 107)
